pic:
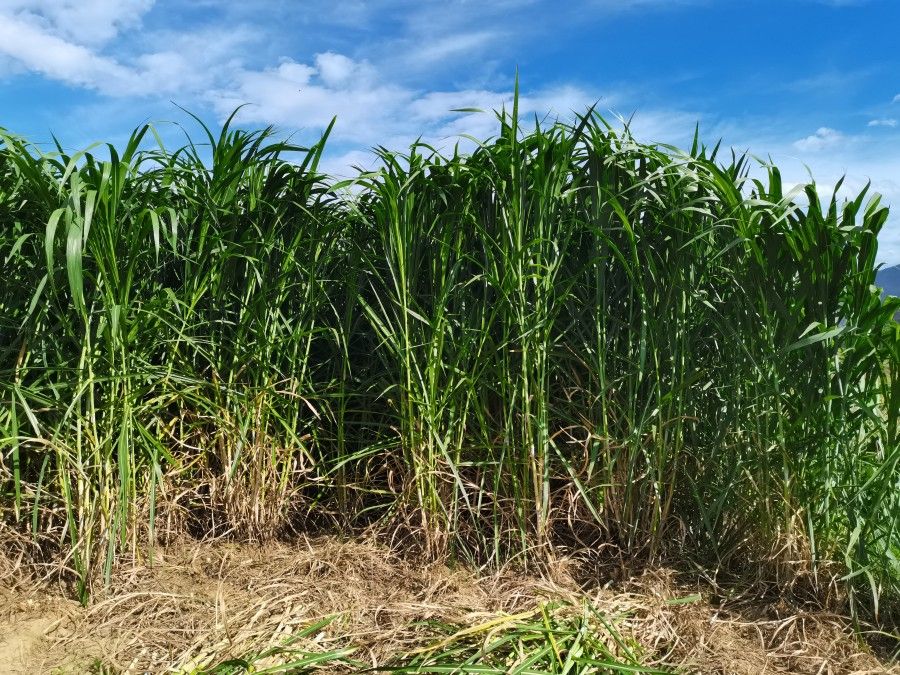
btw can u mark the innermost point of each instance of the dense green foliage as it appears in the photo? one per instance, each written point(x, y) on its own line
point(563, 339)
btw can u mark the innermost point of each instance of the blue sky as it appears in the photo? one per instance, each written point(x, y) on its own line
point(813, 83)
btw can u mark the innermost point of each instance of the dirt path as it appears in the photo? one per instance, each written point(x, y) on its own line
point(21, 642)
point(32, 621)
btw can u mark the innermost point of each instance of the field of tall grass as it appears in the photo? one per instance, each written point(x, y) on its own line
point(562, 341)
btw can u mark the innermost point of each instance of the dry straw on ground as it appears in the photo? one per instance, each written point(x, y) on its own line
point(199, 603)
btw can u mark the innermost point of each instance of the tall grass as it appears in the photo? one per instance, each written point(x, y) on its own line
point(563, 339)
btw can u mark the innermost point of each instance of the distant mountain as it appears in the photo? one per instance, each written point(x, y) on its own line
point(889, 280)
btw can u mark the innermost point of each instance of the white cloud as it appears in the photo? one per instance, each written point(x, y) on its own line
point(296, 95)
point(451, 45)
point(56, 58)
point(371, 109)
point(190, 63)
point(886, 122)
point(87, 22)
point(59, 39)
point(337, 70)
point(897, 99)
point(9, 66)
point(832, 81)
point(824, 138)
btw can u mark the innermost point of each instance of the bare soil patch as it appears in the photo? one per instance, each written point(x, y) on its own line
point(197, 604)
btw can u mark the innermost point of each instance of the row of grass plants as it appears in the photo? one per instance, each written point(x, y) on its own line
point(561, 340)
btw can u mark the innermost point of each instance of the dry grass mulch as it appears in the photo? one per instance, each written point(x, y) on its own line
point(200, 603)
